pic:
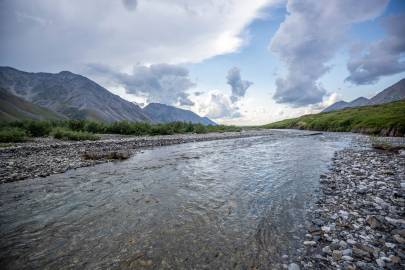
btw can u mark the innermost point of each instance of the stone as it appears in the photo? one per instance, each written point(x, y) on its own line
point(309, 243)
point(347, 252)
point(293, 266)
point(347, 258)
point(399, 239)
point(327, 250)
point(373, 222)
point(337, 255)
point(380, 262)
point(394, 259)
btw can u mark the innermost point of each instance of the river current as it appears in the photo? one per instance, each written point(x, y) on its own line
point(226, 204)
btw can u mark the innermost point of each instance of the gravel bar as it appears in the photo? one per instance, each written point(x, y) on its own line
point(45, 156)
point(359, 219)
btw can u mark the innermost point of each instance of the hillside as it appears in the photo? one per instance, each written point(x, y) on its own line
point(393, 93)
point(162, 113)
point(384, 119)
point(14, 108)
point(70, 95)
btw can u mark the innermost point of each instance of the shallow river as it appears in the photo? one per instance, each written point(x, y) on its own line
point(228, 204)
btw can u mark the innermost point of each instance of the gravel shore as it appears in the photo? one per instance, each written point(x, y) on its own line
point(359, 219)
point(45, 156)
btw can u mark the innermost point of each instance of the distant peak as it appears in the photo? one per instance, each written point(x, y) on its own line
point(65, 72)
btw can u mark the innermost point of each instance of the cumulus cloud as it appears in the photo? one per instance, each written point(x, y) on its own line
point(308, 38)
point(163, 83)
point(219, 106)
point(238, 85)
point(71, 33)
point(381, 58)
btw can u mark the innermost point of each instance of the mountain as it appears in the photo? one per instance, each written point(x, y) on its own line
point(336, 106)
point(14, 108)
point(390, 94)
point(164, 113)
point(361, 101)
point(70, 95)
point(393, 93)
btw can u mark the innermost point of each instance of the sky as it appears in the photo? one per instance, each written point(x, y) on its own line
point(236, 61)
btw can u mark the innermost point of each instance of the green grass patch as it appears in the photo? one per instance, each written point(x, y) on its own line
point(385, 119)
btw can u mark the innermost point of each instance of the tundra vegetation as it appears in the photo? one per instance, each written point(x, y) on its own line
point(79, 130)
point(385, 120)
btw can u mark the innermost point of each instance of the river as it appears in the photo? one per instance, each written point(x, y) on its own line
point(226, 204)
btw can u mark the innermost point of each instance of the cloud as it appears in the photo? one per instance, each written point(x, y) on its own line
point(380, 58)
point(219, 106)
point(238, 85)
point(130, 4)
point(163, 83)
point(94, 31)
point(308, 38)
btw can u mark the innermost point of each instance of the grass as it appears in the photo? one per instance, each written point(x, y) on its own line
point(385, 119)
point(86, 129)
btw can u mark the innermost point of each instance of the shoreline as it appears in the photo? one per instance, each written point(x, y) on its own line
point(358, 221)
point(44, 156)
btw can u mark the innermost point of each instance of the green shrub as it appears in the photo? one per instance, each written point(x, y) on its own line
point(70, 135)
point(94, 127)
point(12, 134)
point(37, 128)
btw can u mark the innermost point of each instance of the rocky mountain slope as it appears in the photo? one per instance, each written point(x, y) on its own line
point(14, 108)
point(163, 114)
point(70, 95)
point(393, 93)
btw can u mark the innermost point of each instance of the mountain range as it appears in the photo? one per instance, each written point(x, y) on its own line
point(393, 93)
point(66, 95)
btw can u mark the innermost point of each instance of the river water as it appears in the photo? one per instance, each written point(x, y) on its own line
point(227, 204)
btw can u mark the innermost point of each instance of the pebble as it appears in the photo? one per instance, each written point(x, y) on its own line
point(293, 266)
point(359, 218)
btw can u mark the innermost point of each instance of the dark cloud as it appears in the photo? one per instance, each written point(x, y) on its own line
point(308, 39)
point(198, 93)
point(130, 4)
point(163, 83)
point(238, 85)
point(382, 57)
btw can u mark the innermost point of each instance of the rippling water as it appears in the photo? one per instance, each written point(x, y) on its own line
point(237, 203)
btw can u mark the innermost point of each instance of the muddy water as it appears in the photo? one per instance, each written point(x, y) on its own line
point(229, 204)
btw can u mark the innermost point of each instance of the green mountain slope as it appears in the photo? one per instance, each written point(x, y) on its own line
point(385, 119)
point(14, 108)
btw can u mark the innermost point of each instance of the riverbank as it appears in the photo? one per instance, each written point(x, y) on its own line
point(384, 120)
point(359, 219)
point(45, 156)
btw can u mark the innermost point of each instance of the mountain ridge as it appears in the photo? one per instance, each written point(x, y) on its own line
point(163, 113)
point(74, 96)
point(392, 93)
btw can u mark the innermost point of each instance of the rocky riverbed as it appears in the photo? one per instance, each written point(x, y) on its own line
point(45, 156)
point(359, 219)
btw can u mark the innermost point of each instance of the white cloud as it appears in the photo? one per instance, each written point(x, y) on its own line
point(382, 57)
point(216, 105)
point(309, 37)
point(120, 33)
